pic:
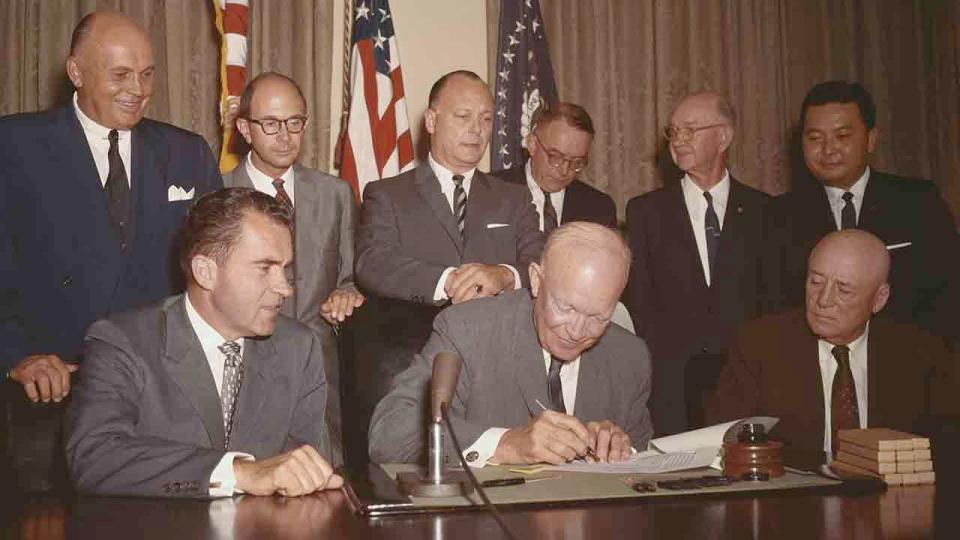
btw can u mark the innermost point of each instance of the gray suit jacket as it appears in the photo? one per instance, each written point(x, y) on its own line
point(408, 236)
point(145, 418)
point(504, 375)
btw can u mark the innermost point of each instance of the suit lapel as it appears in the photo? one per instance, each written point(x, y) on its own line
point(479, 201)
point(148, 190)
point(808, 373)
point(731, 250)
point(593, 383)
point(187, 365)
point(875, 344)
point(238, 177)
point(307, 236)
point(686, 242)
point(258, 356)
point(873, 195)
point(530, 375)
point(429, 188)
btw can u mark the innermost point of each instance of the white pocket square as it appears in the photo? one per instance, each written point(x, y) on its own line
point(177, 193)
point(892, 247)
point(497, 225)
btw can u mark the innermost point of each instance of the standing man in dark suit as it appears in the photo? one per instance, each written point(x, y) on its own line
point(838, 124)
point(836, 366)
point(272, 117)
point(90, 197)
point(559, 147)
point(697, 247)
point(212, 392)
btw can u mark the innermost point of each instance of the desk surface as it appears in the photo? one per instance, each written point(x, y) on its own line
point(904, 512)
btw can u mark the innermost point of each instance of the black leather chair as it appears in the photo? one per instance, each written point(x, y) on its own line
point(31, 443)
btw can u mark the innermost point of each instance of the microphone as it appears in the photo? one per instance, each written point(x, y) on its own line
point(446, 373)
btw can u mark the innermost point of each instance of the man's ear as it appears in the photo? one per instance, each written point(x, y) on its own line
point(243, 126)
point(726, 138)
point(430, 120)
point(536, 278)
point(204, 270)
point(74, 72)
point(880, 298)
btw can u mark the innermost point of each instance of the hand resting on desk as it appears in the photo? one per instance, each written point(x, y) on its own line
point(298, 472)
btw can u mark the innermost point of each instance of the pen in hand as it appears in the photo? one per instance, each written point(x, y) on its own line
point(590, 451)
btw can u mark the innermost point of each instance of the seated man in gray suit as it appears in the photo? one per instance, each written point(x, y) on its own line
point(213, 392)
point(521, 356)
point(272, 117)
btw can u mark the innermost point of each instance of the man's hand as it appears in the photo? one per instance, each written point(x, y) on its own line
point(340, 305)
point(291, 474)
point(44, 377)
point(609, 442)
point(477, 280)
point(551, 437)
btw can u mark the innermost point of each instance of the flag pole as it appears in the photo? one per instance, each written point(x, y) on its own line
point(345, 87)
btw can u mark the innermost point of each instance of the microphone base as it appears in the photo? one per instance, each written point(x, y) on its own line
point(453, 484)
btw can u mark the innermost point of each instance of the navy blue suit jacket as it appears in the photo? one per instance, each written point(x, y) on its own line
point(61, 264)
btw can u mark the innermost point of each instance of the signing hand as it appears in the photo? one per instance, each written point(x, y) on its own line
point(44, 377)
point(609, 442)
point(551, 437)
point(477, 280)
point(291, 474)
point(340, 305)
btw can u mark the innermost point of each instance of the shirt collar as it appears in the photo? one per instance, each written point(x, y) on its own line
point(256, 174)
point(835, 194)
point(445, 175)
point(855, 347)
point(720, 192)
point(210, 339)
point(91, 127)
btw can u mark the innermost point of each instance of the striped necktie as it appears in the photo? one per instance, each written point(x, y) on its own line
point(459, 204)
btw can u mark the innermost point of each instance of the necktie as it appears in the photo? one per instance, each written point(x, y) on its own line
point(844, 412)
point(282, 195)
point(549, 214)
point(848, 215)
point(711, 225)
point(459, 203)
point(117, 190)
point(554, 387)
point(232, 380)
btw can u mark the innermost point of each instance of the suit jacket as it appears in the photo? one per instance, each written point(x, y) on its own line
point(671, 305)
point(61, 263)
point(923, 274)
point(774, 370)
point(503, 376)
point(581, 202)
point(146, 418)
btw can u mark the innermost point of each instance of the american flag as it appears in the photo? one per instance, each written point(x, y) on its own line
point(524, 78)
point(231, 20)
point(378, 142)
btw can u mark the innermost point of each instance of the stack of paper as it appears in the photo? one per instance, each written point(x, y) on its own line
point(896, 457)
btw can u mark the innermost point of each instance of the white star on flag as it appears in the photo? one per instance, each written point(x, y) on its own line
point(503, 150)
point(379, 40)
point(505, 75)
point(363, 11)
point(383, 15)
point(502, 93)
point(520, 27)
point(536, 24)
point(508, 56)
point(501, 112)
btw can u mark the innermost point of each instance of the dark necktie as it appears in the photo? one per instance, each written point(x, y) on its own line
point(282, 195)
point(848, 215)
point(117, 190)
point(230, 389)
point(554, 386)
point(844, 412)
point(459, 203)
point(712, 228)
point(550, 220)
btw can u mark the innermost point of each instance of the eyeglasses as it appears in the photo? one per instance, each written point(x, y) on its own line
point(271, 126)
point(673, 133)
point(556, 159)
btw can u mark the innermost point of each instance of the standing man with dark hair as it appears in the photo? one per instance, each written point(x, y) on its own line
point(272, 117)
point(838, 134)
point(90, 196)
point(697, 251)
point(211, 392)
point(559, 147)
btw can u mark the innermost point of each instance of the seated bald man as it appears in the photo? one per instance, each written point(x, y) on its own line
point(835, 365)
point(545, 378)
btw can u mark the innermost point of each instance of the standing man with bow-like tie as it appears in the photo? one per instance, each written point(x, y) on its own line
point(697, 247)
point(272, 117)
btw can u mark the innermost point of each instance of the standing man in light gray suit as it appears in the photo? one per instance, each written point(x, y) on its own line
point(213, 392)
point(272, 117)
point(520, 356)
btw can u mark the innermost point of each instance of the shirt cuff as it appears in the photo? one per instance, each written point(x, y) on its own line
point(484, 447)
point(516, 276)
point(223, 480)
point(439, 295)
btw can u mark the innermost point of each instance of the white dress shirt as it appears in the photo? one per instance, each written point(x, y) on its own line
point(486, 444)
point(445, 177)
point(99, 142)
point(556, 199)
point(828, 367)
point(222, 479)
point(264, 183)
point(697, 209)
point(835, 197)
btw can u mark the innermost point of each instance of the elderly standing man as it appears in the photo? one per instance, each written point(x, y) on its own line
point(556, 349)
point(91, 194)
point(835, 365)
point(697, 247)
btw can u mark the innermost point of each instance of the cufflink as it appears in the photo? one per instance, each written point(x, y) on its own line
point(472, 456)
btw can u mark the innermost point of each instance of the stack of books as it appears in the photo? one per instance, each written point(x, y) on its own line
point(895, 457)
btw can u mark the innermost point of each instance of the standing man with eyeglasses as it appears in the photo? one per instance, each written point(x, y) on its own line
point(559, 148)
point(697, 251)
point(272, 117)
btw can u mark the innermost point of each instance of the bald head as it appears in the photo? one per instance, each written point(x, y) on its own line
point(846, 284)
point(588, 248)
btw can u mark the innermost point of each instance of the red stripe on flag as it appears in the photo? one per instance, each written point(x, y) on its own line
point(236, 76)
point(235, 19)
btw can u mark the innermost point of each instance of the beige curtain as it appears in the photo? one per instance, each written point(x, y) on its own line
point(628, 62)
point(290, 36)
